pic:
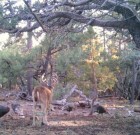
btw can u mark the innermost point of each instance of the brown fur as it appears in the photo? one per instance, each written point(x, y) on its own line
point(43, 96)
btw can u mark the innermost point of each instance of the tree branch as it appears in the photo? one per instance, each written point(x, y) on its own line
point(93, 22)
point(35, 16)
point(119, 7)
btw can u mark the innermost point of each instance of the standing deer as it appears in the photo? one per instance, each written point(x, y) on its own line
point(42, 95)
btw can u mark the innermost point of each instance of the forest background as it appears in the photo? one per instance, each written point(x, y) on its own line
point(93, 58)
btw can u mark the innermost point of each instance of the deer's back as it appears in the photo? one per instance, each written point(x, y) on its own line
point(41, 94)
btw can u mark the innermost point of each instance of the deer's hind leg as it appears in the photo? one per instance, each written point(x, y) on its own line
point(34, 112)
point(45, 110)
point(45, 119)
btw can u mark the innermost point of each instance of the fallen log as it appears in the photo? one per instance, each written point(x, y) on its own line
point(59, 102)
point(75, 98)
point(72, 100)
point(137, 109)
point(74, 92)
point(84, 104)
point(69, 107)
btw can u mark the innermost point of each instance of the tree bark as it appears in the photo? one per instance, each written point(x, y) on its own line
point(135, 33)
point(94, 88)
point(136, 109)
point(133, 82)
point(29, 79)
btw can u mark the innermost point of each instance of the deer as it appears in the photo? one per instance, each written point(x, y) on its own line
point(42, 95)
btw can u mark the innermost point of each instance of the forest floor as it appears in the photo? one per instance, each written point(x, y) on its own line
point(76, 122)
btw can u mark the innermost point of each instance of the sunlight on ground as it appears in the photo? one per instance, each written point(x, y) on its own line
point(70, 123)
point(113, 106)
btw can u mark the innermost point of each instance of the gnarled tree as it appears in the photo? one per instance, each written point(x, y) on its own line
point(73, 15)
point(117, 14)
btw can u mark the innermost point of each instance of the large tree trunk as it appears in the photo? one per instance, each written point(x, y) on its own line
point(135, 33)
point(29, 73)
point(29, 79)
point(133, 83)
point(94, 88)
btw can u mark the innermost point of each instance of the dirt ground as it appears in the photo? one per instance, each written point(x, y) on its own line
point(76, 122)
